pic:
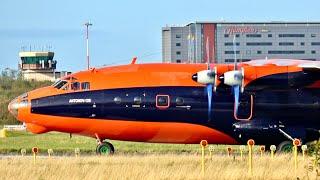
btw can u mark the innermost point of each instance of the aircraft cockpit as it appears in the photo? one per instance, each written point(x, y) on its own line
point(71, 84)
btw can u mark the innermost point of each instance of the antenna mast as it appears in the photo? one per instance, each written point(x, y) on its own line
point(87, 39)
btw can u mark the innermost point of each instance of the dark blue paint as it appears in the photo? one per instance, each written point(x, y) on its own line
point(287, 105)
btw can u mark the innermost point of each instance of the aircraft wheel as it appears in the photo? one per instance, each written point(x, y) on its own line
point(105, 148)
point(285, 147)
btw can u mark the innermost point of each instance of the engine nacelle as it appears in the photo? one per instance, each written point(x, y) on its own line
point(233, 78)
point(204, 77)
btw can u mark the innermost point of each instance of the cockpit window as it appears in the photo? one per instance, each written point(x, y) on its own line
point(85, 86)
point(75, 86)
point(60, 84)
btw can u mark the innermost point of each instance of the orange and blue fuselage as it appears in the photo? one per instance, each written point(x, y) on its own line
point(161, 103)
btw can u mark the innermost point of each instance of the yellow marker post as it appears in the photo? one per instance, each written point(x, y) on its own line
point(203, 144)
point(3, 133)
point(23, 152)
point(304, 149)
point(262, 150)
point(242, 148)
point(273, 148)
point(77, 152)
point(35, 151)
point(250, 146)
point(296, 143)
point(50, 152)
point(211, 149)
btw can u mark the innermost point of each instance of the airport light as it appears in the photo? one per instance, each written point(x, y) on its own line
point(23, 152)
point(35, 151)
point(250, 143)
point(242, 148)
point(304, 149)
point(296, 143)
point(87, 40)
point(50, 152)
point(77, 152)
point(203, 144)
point(229, 151)
point(211, 149)
point(273, 148)
point(262, 149)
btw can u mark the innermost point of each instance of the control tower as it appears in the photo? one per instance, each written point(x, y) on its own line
point(39, 66)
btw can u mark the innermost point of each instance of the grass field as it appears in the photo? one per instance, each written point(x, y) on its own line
point(166, 166)
point(63, 145)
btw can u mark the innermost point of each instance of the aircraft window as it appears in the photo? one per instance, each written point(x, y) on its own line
point(162, 101)
point(137, 100)
point(56, 82)
point(117, 100)
point(179, 101)
point(75, 86)
point(60, 84)
point(85, 86)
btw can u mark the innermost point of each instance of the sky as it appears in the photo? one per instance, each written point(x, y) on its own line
point(122, 29)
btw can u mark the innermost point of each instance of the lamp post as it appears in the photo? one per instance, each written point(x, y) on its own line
point(87, 39)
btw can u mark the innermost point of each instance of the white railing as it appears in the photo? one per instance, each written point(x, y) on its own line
point(15, 127)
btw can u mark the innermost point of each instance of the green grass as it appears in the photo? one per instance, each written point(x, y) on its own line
point(62, 144)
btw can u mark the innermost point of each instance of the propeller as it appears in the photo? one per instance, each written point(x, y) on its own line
point(207, 77)
point(209, 88)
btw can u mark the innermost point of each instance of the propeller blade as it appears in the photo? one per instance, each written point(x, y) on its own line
point(209, 92)
point(236, 91)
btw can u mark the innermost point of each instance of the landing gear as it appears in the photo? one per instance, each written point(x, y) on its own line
point(285, 147)
point(105, 148)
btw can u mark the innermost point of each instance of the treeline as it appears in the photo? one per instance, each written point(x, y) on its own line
point(11, 86)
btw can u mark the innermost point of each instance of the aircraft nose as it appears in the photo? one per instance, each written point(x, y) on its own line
point(13, 107)
point(17, 103)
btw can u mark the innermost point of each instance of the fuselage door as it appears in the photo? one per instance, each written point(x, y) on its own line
point(245, 107)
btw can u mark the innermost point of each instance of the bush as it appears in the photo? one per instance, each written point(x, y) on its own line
point(12, 86)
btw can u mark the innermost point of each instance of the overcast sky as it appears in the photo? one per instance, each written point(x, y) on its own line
point(122, 29)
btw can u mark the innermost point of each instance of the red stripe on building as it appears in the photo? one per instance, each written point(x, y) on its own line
point(209, 31)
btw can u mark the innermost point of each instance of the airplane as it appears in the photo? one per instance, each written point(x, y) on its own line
point(271, 101)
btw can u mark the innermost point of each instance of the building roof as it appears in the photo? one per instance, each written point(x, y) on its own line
point(254, 22)
point(35, 53)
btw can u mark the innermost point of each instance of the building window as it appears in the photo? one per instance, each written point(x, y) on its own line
point(238, 60)
point(178, 60)
point(313, 52)
point(269, 35)
point(231, 44)
point(259, 44)
point(286, 52)
point(178, 53)
point(313, 35)
point(302, 43)
point(258, 52)
point(178, 36)
point(226, 35)
point(178, 44)
point(237, 35)
point(231, 52)
point(291, 35)
point(253, 35)
point(286, 44)
point(315, 44)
